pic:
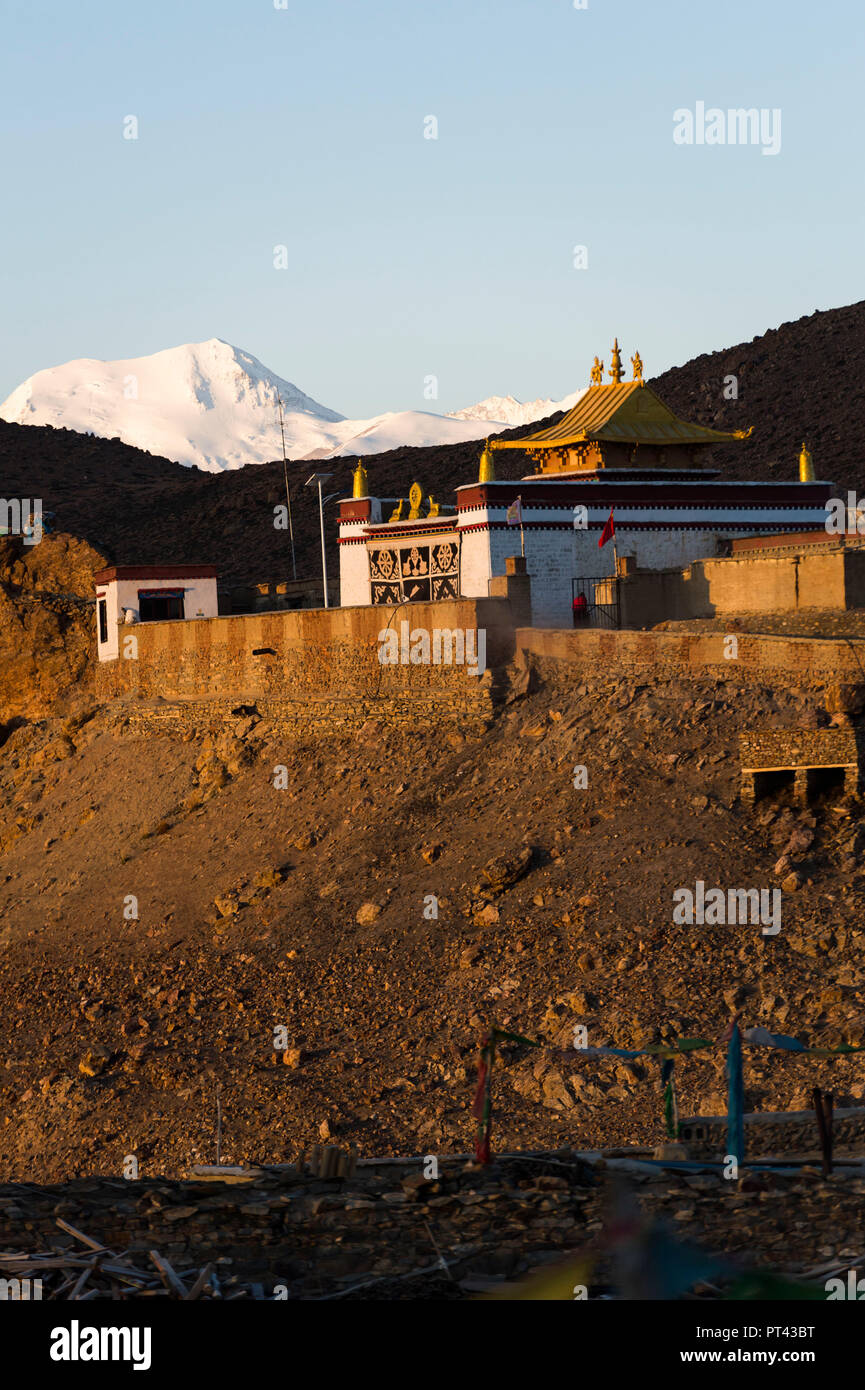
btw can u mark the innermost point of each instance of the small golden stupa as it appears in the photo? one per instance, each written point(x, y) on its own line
point(487, 472)
point(806, 465)
point(360, 485)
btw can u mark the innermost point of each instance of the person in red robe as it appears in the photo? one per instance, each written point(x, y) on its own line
point(581, 610)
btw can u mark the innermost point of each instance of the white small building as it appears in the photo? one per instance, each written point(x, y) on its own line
point(129, 594)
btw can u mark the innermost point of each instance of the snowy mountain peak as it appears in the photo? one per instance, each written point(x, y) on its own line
point(216, 360)
point(208, 404)
point(510, 411)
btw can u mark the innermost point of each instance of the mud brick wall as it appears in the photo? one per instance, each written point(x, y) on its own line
point(753, 582)
point(771, 584)
point(322, 661)
point(802, 659)
point(770, 748)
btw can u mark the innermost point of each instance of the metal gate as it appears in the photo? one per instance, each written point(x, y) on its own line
point(595, 602)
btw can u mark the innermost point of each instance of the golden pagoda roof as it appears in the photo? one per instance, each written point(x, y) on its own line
point(625, 412)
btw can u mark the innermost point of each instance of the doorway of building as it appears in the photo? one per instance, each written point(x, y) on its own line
point(595, 602)
point(159, 605)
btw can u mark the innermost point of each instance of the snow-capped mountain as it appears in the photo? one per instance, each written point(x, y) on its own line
point(208, 404)
point(395, 428)
point(508, 410)
point(215, 406)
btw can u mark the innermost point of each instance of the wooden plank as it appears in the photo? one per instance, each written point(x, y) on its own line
point(200, 1283)
point(83, 1278)
point(169, 1278)
point(806, 767)
point(79, 1235)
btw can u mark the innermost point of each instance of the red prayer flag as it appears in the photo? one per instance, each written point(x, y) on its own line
point(608, 532)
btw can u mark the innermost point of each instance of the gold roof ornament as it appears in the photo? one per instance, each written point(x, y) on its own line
point(596, 375)
point(397, 513)
point(487, 472)
point(415, 497)
point(434, 506)
point(360, 485)
point(617, 371)
point(637, 364)
point(806, 465)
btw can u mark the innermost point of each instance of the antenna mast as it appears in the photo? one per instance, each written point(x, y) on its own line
point(287, 491)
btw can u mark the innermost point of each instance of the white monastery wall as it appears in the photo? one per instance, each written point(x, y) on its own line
point(475, 567)
point(354, 586)
point(658, 536)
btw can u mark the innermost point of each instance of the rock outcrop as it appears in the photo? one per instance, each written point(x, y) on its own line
point(47, 647)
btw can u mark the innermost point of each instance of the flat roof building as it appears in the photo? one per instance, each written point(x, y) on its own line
point(130, 594)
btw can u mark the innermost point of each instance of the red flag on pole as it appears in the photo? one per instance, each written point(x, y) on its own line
point(608, 532)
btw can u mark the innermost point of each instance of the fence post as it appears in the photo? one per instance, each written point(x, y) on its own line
point(735, 1097)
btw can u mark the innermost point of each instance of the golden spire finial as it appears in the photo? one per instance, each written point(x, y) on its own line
point(637, 364)
point(596, 375)
point(806, 465)
point(487, 472)
point(616, 369)
point(360, 486)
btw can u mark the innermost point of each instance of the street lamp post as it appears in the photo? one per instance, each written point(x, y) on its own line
point(320, 478)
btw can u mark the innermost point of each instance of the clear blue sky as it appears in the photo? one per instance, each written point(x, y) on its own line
point(409, 257)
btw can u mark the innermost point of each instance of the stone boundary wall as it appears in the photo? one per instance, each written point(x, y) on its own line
point(755, 581)
point(812, 660)
point(773, 1134)
point(761, 749)
point(318, 1236)
point(316, 667)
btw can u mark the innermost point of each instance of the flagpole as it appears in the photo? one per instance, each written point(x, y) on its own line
point(512, 516)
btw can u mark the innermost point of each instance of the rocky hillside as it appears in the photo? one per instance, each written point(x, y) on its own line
point(46, 627)
point(797, 381)
point(311, 909)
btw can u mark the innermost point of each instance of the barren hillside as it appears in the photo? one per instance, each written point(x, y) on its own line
point(306, 908)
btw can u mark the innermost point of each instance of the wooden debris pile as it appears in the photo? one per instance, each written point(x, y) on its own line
point(106, 1274)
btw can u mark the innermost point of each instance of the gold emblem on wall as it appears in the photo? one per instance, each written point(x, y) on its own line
point(415, 562)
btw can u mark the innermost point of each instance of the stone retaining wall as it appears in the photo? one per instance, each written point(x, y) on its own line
point(470, 712)
point(314, 668)
point(801, 659)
